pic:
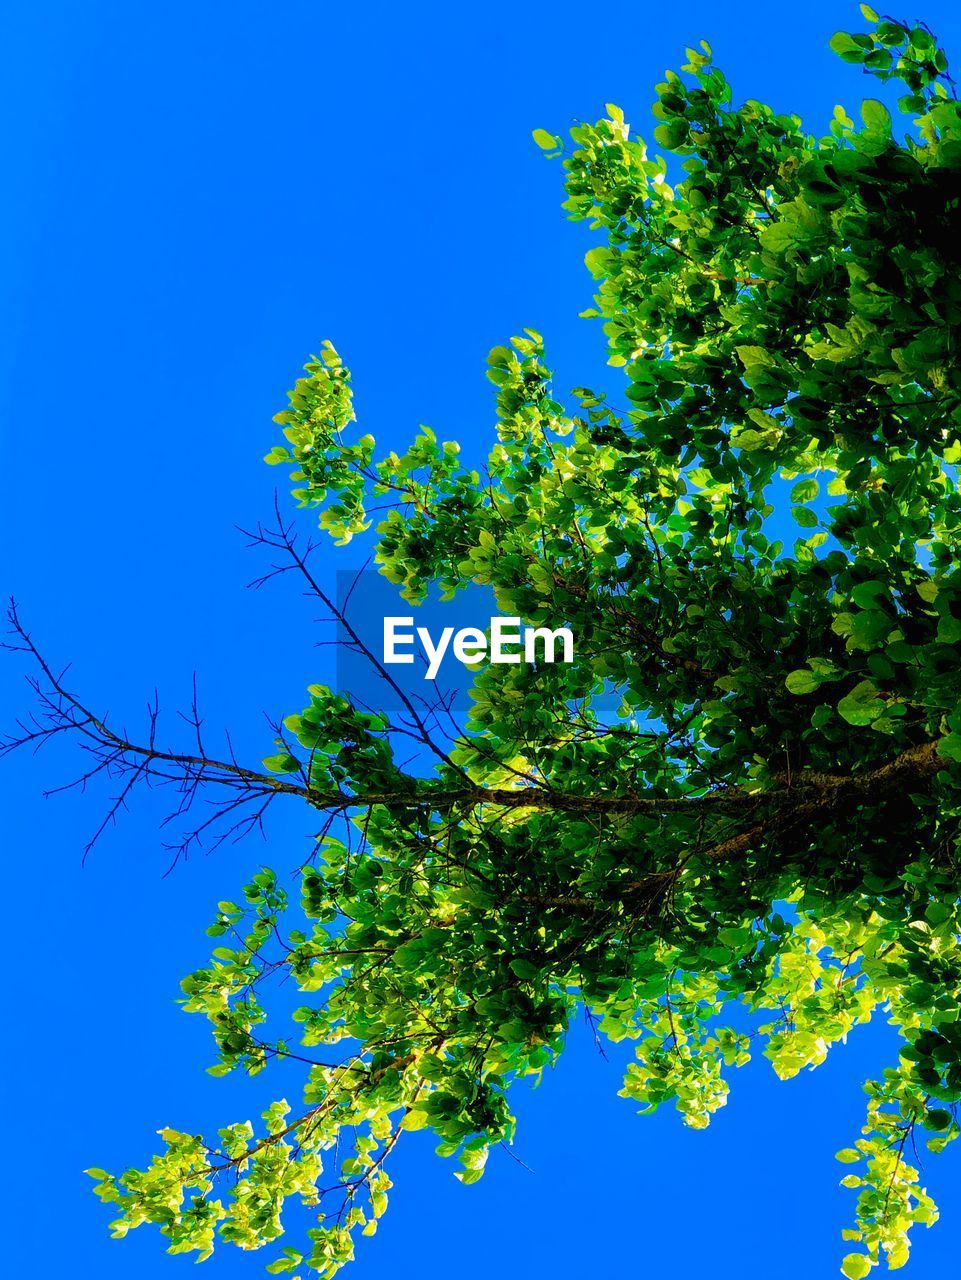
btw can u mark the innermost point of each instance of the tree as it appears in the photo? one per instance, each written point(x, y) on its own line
point(765, 833)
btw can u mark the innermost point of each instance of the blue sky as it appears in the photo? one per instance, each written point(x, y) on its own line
point(197, 194)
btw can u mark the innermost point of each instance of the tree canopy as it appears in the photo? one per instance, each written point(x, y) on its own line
point(757, 848)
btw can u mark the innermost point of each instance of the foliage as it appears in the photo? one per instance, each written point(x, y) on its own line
point(760, 846)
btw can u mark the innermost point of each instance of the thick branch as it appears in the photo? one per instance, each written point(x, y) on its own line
point(790, 802)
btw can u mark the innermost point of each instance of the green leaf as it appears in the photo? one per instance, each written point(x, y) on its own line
point(282, 763)
point(802, 682)
point(546, 141)
point(938, 1119)
point(866, 594)
point(876, 116)
point(856, 1266)
point(844, 44)
point(805, 490)
point(805, 517)
point(861, 706)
